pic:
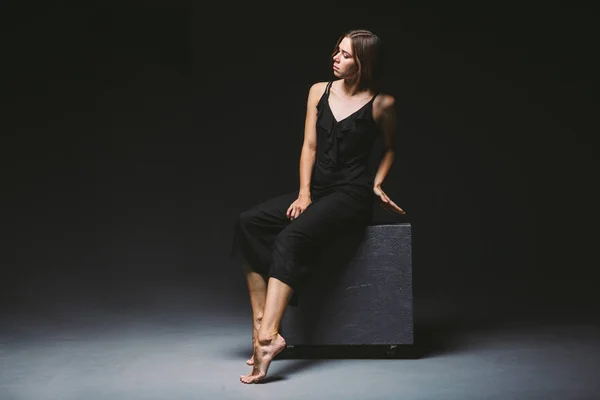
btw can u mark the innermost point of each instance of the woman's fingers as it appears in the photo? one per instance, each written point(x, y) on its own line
point(389, 208)
point(296, 211)
point(387, 203)
point(391, 203)
point(396, 207)
point(386, 207)
point(293, 212)
point(384, 197)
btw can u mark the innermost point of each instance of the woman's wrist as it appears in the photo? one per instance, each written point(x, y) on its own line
point(304, 191)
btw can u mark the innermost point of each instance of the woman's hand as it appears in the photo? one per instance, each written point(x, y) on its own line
point(298, 206)
point(386, 202)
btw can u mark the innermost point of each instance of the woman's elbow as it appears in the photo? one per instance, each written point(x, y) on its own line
point(310, 147)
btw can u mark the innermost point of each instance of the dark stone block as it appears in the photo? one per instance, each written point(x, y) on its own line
point(359, 294)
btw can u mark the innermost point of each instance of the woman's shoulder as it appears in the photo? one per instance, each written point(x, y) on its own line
point(383, 106)
point(384, 101)
point(318, 87)
point(316, 91)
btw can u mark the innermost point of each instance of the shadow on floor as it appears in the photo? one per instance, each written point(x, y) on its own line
point(432, 338)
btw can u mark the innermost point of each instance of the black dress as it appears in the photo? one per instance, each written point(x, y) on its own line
point(341, 190)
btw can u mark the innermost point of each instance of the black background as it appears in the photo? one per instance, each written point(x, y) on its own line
point(135, 132)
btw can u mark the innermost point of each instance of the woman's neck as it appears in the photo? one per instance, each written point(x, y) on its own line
point(350, 87)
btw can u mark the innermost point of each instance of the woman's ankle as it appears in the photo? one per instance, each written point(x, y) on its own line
point(257, 321)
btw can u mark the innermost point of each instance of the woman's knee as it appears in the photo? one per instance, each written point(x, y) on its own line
point(245, 218)
point(289, 255)
point(291, 242)
point(282, 245)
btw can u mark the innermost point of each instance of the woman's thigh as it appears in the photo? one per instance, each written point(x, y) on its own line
point(270, 213)
point(331, 215)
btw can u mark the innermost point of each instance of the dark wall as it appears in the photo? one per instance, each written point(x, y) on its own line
point(135, 134)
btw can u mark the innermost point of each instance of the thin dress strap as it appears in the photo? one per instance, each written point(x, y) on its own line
point(328, 86)
point(373, 98)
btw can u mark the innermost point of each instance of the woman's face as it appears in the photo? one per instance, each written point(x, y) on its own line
point(343, 61)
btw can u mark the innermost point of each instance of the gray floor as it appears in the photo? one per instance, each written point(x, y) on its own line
point(185, 352)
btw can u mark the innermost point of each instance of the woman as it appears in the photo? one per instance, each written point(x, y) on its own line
point(275, 239)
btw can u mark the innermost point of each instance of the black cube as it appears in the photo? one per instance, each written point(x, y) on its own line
point(359, 292)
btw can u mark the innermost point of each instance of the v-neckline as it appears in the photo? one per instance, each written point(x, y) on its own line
point(349, 115)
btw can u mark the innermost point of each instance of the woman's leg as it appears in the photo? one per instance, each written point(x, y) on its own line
point(255, 232)
point(278, 297)
point(320, 222)
point(257, 288)
point(270, 342)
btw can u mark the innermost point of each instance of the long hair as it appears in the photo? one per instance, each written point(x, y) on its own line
point(367, 54)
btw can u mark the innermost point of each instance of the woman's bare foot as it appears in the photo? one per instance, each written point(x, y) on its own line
point(254, 336)
point(264, 352)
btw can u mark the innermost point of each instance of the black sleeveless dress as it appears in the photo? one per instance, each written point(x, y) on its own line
point(341, 194)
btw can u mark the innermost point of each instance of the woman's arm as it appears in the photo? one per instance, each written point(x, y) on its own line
point(387, 123)
point(309, 147)
point(309, 151)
